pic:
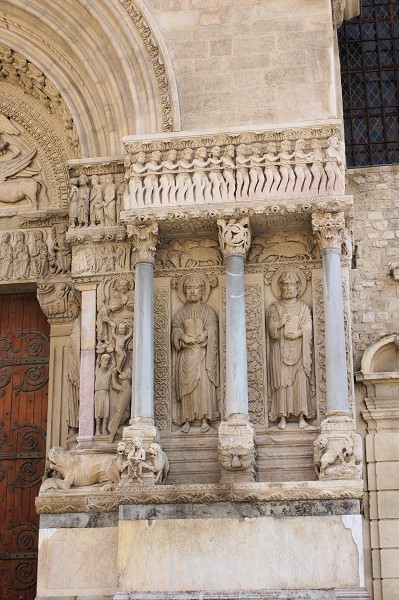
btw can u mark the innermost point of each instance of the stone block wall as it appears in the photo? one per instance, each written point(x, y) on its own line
point(248, 62)
point(375, 294)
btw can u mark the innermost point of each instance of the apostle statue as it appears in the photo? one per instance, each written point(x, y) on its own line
point(289, 323)
point(196, 355)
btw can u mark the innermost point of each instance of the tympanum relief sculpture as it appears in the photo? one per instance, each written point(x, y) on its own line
point(289, 325)
point(195, 343)
point(114, 353)
point(20, 182)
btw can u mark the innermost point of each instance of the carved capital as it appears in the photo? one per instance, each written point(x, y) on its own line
point(59, 302)
point(234, 236)
point(145, 239)
point(329, 230)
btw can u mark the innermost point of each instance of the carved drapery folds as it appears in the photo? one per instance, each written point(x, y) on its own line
point(94, 201)
point(227, 168)
point(329, 230)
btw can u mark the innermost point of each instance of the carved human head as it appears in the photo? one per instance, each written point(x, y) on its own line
point(6, 237)
point(105, 360)
point(172, 154)
point(83, 180)
point(315, 144)
point(289, 284)
point(215, 151)
point(286, 146)
point(122, 327)
point(201, 152)
point(333, 141)
point(19, 236)
point(109, 178)
point(94, 179)
point(187, 154)
point(122, 285)
point(271, 147)
point(156, 156)
point(39, 235)
point(194, 288)
point(229, 150)
point(137, 443)
point(257, 149)
point(242, 149)
point(140, 157)
point(300, 144)
point(74, 181)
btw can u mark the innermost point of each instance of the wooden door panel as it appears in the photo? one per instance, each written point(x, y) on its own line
point(24, 352)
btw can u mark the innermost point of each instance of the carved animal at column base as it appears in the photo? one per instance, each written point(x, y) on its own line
point(338, 450)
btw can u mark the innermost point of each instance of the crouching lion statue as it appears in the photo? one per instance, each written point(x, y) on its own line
point(67, 469)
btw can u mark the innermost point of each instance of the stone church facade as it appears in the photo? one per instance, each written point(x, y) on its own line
point(199, 351)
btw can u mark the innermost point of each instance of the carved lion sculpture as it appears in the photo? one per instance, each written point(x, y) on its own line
point(339, 457)
point(77, 470)
point(237, 458)
point(159, 462)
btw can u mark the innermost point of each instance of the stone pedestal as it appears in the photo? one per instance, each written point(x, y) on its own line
point(236, 450)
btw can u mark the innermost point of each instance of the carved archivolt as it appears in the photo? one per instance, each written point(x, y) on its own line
point(43, 133)
point(16, 70)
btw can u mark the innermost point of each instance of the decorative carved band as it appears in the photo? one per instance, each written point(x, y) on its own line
point(329, 230)
point(145, 239)
point(226, 167)
point(234, 236)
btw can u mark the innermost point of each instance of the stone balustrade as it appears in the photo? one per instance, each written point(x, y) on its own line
point(207, 167)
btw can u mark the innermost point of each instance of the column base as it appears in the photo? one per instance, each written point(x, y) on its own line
point(141, 460)
point(337, 451)
point(236, 449)
point(85, 442)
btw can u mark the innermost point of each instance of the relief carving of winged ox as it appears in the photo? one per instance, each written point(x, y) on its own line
point(13, 189)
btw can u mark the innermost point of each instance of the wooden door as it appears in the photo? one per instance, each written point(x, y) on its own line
point(24, 352)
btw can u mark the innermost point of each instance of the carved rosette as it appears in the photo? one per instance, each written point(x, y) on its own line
point(329, 230)
point(59, 301)
point(145, 239)
point(337, 452)
point(234, 236)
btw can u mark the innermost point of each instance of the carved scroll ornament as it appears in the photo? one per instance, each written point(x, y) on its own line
point(234, 236)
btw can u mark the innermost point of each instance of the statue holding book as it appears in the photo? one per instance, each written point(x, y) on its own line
point(289, 324)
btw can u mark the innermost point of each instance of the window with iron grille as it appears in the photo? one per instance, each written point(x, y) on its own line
point(369, 54)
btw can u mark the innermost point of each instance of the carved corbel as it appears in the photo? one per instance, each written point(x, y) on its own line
point(59, 301)
point(234, 236)
point(145, 239)
point(344, 10)
point(329, 230)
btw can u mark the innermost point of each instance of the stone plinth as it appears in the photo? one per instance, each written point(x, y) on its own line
point(181, 542)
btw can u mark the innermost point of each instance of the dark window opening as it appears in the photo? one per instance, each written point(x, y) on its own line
point(369, 55)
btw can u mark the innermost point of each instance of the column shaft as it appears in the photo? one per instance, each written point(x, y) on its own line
point(143, 345)
point(236, 346)
point(87, 368)
point(336, 368)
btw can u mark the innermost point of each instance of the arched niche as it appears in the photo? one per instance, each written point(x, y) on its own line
point(382, 358)
point(106, 59)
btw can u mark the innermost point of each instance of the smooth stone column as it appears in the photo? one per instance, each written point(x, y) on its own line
point(236, 445)
point(236, 346)
point(143, 342)
point(87, 365)
point(329, 228)
point(338, 449)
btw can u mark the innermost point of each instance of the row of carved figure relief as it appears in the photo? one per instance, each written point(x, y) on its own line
point(235, 173)
point(92, 203)
point(26, 254)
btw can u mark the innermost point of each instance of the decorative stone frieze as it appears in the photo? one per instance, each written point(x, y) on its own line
point(59, 301)
point(234, 236)
point(145, 239)
point(227, 167)
point(329, 230)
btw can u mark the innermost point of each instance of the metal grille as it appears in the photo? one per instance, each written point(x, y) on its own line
point(369, 54)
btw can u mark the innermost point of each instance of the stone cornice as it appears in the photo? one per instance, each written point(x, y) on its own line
point(87, 501)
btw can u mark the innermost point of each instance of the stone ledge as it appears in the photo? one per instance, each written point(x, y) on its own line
point(90, 499)
point(334, 594)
